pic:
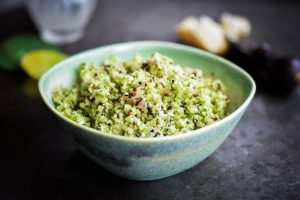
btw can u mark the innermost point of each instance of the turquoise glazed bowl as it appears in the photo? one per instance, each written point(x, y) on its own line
point(151, 158)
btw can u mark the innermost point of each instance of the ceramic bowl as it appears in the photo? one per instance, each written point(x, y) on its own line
point(151, 158)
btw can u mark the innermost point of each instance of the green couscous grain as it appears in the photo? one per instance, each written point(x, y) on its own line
point(142, 98)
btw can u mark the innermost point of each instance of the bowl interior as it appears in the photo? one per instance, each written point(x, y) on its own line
point(239, 84)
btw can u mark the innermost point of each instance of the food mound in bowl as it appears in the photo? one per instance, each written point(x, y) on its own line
point(142, 98)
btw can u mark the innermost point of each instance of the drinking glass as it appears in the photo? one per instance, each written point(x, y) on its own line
point(61, 21)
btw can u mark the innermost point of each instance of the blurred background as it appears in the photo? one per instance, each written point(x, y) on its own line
point(260, 159)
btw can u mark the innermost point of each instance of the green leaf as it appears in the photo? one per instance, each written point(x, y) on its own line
point(15, 47)
point(6, 64)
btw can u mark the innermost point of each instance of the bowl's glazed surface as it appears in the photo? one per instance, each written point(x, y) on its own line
point(152, 158)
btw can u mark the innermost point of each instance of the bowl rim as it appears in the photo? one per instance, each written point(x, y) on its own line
point(148, 43)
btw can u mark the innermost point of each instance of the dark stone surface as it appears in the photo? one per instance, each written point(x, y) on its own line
point(260, 159)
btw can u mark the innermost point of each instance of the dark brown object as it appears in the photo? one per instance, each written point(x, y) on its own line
point(273, 74)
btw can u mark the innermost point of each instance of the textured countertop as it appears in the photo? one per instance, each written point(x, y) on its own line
point(259, 160)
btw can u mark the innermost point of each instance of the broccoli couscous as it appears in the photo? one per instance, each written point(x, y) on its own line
point(142, 98)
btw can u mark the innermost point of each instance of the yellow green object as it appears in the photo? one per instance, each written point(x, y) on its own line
point(36, 62)
point(15, 47)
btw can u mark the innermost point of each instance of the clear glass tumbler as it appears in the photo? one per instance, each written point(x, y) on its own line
point(61, 21)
